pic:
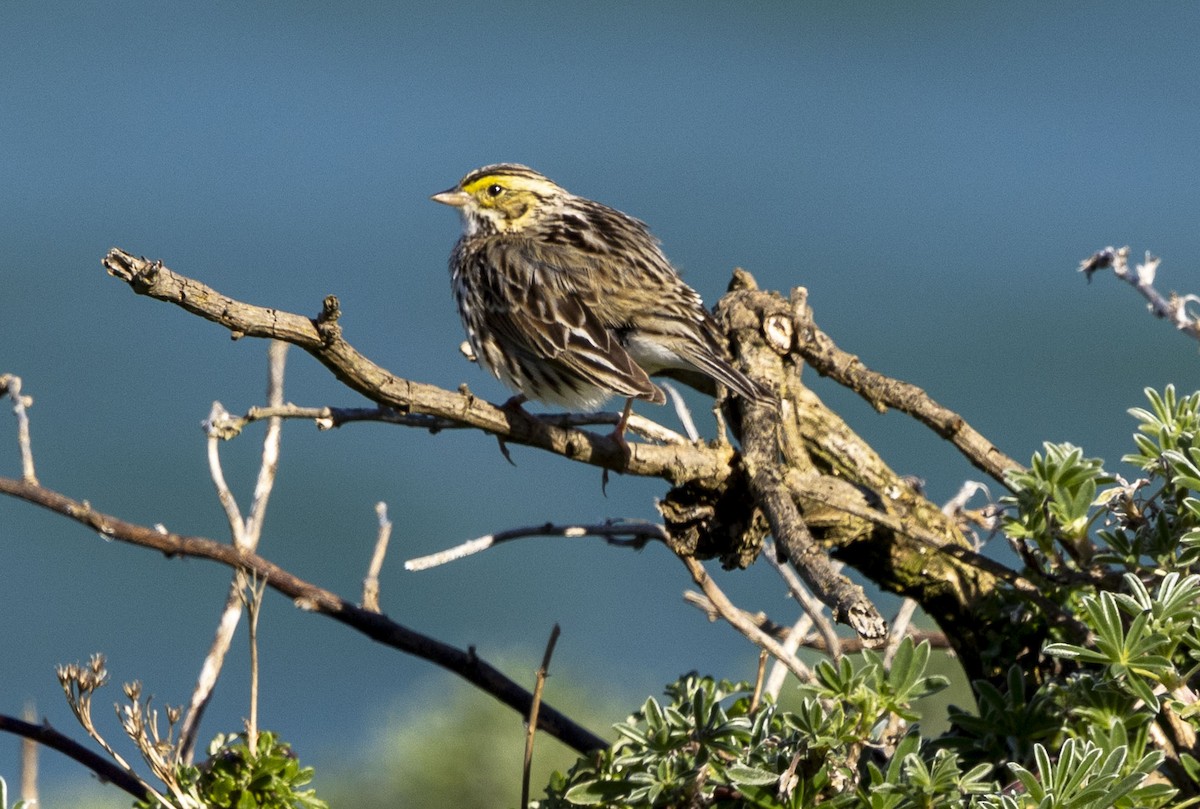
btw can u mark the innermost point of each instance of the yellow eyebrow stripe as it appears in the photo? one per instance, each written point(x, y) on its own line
point(482, 182)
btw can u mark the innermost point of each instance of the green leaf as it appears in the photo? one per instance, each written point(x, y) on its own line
point(740, 774)
point(596, 793)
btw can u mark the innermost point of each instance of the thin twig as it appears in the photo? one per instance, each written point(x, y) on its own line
point(464, 663)
point(10, 385)
point(328, 418)
point(233, 515)
point(899, 629)
point(681, 410)
point(792, 641)
point(759, 679)
point(1174, 308)
point(626, 533)
point(245, 532)
point(371, 582)
point(29, 762)
point(253, 603)
point(736, 618)
point(798, 635)
point(268, 469)
point(811, 605)
point(531, 724)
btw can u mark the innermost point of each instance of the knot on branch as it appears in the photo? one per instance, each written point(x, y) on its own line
point(139, 273)
point(706, 520)
point(760, 329)
point(327, 321)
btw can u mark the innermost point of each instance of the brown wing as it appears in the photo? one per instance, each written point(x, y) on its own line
point(532, 310)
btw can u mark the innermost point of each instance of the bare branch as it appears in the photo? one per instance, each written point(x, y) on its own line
point(1175, 308)
point(782, 632)
point(321, 337)
point(627, 533)
point(104, 769)
point(882, 392)
point(252, 599)
point(847, 601)
point(276, 363)
point(328, 418)
point(737, 618)
point(371, 582)
point(10, 385)
point(245, 532)
point(311, 597)
point(759, 681)
point(899, 629)
point(531, 724)
point(29, 762)
point(233, 515)
point(812, 607)
point(792, 639)
point(681, 410)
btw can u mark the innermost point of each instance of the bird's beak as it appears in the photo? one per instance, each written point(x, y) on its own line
point(453, 197)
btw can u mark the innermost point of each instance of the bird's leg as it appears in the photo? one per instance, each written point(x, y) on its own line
point(719, 413)
point(513, 406)
point(618, 435)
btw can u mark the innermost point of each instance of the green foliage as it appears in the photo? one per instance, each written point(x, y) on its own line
point(1108, 718)
point(1083, 777)
point(4, 798)
point(236, 778)
point(708, 745)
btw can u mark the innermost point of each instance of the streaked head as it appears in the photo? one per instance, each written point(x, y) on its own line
point(502, 198)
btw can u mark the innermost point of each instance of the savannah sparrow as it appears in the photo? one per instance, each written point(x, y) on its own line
point(570, 302)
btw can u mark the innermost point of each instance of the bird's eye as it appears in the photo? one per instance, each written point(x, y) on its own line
point(495, 190)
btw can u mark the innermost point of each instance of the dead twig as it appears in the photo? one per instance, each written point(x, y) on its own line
point(10, 385)
point(531, 725)
point(812, 607)
point(245, 532)
point(105, 770)
point(308, 596)
point(371, 582)
point(1175, 308)
point(736, 618)
point(626, 533)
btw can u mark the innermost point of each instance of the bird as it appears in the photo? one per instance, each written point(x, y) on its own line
point(570, 302)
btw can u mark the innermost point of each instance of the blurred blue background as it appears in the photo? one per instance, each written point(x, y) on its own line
point(931, 173)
